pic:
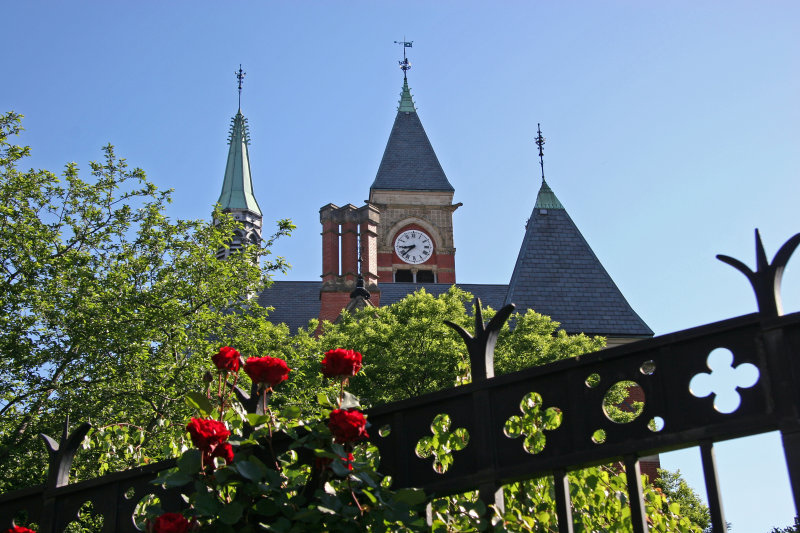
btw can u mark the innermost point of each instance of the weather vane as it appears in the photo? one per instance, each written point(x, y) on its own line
point(405, 65)
point(240, 76)
point(540, 144)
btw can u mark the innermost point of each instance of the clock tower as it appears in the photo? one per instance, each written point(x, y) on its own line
point(404, 233)
point(415, 201)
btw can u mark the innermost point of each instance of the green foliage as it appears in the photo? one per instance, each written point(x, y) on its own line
point(103, 303)
point(599, 503)
point(676, 490)
point(395, 338)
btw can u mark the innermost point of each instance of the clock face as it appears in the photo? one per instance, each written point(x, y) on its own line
point(413, 246)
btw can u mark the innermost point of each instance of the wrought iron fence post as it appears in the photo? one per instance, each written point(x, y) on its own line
point(481, 358)
point(61, 455)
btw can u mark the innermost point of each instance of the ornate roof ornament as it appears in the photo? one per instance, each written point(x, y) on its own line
point(405, 65)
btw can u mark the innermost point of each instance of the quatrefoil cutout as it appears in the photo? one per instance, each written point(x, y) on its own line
point(723, 380)
point(442, 443)
point(535, 420)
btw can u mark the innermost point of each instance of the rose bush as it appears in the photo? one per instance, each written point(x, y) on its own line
point(284, 473)
point(341, 363)
point(227, 359)
point(267, 370)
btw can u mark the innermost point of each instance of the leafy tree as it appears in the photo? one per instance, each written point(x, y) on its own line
point(104, 304)
point(675, 488)
point(395, 338)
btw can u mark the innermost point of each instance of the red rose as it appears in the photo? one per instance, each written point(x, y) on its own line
point(170, 523)
point(206, 433)
point(20, 529)
point(341, 363)
point(348, 425)
point(268, 370)
point(226, 359)
point(223, 450)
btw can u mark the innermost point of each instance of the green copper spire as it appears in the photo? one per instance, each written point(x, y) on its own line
point(237, 188)
point(546, 199)
point(406, 102)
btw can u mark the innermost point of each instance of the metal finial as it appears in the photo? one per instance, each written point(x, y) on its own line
point(240, 74)
point(766, 280)
point(481, 346)
point(540, 144)
point(405, 65)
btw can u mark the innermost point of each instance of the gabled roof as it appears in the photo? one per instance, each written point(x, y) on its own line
point(409, 162)
point(557, 274)
point(237, 187)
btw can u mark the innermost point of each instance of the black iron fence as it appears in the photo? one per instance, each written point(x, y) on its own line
point(547, 420)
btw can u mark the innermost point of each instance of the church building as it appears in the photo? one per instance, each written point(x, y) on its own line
point(401, 240)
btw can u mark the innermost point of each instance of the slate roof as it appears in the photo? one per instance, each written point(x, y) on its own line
point(557, 274)
point(297, 302)
point(237, 187)
point(409, 162)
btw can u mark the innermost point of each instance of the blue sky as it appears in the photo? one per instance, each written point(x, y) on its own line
point(672, 132)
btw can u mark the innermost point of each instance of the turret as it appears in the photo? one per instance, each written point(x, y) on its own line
point(237, 198)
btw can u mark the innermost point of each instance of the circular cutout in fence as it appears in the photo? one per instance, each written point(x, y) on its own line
point(599, 436)
point(623, 402)
point(130, 493)
point(385, 430)
point(149, 503)
point(593, 380)
point(648, 368)
point(87, 520)
point(656, 424)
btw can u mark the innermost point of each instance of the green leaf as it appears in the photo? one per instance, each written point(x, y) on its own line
point(250, 470)
point(266, 507)
point(291, 411)
point(206, 503)
point(323, 400)
point(190, 462)
point(410, 497)
point(199, 402)
point(178, 479)
point(257, 420)
point(231, 513)
point(339, 469)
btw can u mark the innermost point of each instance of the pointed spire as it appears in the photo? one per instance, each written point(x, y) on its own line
point(406, 101)
point(409, 162)
point(546, 199)
point(237, 187)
